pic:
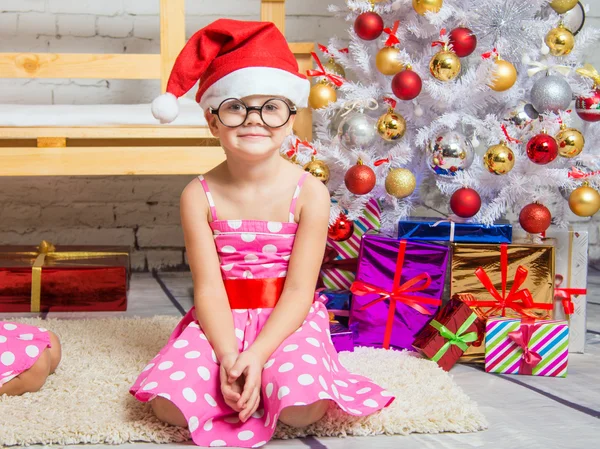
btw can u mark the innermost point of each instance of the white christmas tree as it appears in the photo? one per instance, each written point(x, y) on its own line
point(463, 96)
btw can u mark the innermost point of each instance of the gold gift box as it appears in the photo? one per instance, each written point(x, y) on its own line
point(530, 266)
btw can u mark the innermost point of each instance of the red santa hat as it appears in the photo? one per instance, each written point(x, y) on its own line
point(233, 59)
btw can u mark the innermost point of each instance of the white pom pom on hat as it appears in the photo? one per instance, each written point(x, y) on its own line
point(233, 59)
point(165, 107)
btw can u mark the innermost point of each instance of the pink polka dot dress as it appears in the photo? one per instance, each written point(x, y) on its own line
point(20, 347)
point(305, 368)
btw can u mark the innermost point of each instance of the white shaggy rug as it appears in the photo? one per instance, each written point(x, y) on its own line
point(87, 399)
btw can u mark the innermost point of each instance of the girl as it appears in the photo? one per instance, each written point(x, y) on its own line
point(28, 354)
point(255, 348)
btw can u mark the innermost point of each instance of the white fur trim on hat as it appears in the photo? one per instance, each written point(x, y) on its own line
point(257, 81)
point(165, 107)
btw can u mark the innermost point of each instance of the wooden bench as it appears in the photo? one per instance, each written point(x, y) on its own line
point(143, 149)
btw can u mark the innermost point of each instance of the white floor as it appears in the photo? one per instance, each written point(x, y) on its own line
point(523, 412)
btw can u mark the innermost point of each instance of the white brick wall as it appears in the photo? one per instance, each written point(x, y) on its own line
point(139, 211)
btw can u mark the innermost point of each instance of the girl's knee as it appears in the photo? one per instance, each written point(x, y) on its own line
point(35, 377)
point(168, 412)
point(304, 415)
point(55, 351)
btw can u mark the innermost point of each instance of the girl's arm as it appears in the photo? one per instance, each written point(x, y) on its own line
point(210, 298)
point(303, 271)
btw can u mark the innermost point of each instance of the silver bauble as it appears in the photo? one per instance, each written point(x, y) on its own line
point(551, 93)
point(449, 152)
point(522, 114)
point(357, 130)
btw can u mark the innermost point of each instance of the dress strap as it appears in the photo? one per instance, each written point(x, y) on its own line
point(211, 203)
point(296, 195)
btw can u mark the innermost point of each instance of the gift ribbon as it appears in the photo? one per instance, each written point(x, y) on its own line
point(335, 79)
point(47, 250)
point(392, 39)
point(565, 294)
point(589, 71)
point(400, 293)
point(521, 337)
point(540, 67)
point(511, 300)
point(452, 219)
point(459, 338)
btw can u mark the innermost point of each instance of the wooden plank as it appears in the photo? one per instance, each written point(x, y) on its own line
point(79, 65)
point(51, 142)
point(172, 36)
point(303, 124)
point(273, 11)
point(78, 161)
point(301, 48)
point(106, 132)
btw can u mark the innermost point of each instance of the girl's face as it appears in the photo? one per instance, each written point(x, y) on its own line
point(253, 138)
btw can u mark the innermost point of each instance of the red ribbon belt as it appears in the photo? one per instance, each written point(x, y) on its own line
point(335, 79)
point(253, 293)
point(400, 293)
point(565, 294)
point(521, 337)
point(518, 300)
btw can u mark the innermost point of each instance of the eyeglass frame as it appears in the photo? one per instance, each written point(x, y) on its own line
point(293, 110)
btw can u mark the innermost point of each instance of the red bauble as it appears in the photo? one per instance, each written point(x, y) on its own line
point(360, 179)
point(406, 85)
point(535, 218)
point(463, 41)
point(465, 202)
point(588, 108)
point(542, 149)
point(368, 26)
point(341, 230)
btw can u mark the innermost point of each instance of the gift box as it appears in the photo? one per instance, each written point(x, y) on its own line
point(338, 304)
point(342, 336)
point(454, 328)
point(526, 347)
point(398, 289)
point(428, 229)
point(504, 280)
point(570, 286)
point(65, 278)
point(339, 265)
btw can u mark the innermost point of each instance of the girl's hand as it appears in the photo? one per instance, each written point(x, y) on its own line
point(248, 367)
point(231, 390)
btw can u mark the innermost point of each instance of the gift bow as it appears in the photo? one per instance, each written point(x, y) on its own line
point(511, 300)
point(565, 294)
point(392, 39)
point(459, 338)
point(521, 337)
point(540, 67)
point(48, 250)
point(400, 293)
point(589, 71)
point(335, 79)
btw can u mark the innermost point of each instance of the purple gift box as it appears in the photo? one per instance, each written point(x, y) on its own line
point(342, 337)
point(408, 274)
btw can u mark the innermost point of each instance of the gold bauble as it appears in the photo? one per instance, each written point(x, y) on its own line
point(562, 6)
point(321, 94)
point(560, 41)
point(387, 61)
point(391, 126)
point(570, 142)
point(334, 67)
point(400, 182)
point(318, 169)
point(445, 65)
point(499, 159)
point(584, 201)
point(505, 76)
point(422, 6)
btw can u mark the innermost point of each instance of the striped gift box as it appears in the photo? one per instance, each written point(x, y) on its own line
point(338, 279)
point(540, 350)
